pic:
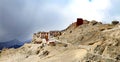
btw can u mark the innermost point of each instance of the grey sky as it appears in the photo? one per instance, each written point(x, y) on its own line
point(19, 19)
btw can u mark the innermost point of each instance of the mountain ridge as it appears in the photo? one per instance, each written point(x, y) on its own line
point(11, 44)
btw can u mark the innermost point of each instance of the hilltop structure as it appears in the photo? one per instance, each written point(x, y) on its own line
point(40, 36)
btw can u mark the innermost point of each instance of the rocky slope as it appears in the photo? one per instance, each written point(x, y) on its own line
point(89, 42)
point(101, 40)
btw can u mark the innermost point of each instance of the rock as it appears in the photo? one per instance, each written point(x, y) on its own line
point(99, 49)
point(93, 22)
point(118, 57)
point(99, 22)
point(70, 31)
point(45, 53)
point(85, 22)
point(52, 44)
point(38, 51)
point(115, 22)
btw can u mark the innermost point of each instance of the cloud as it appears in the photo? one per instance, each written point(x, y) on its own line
point(20, 18)
point(95, 9)
point(114, 12)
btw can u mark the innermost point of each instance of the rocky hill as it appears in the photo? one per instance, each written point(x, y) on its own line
point(102, 41)
point(86, 41)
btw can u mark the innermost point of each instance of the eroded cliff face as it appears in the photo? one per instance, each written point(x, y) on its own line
point(90, 41)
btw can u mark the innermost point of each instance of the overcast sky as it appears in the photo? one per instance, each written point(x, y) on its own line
point(19, 19)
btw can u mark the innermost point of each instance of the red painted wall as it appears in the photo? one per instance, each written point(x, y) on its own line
point(79, 21)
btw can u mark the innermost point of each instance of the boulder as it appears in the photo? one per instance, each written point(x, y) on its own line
point(85, 22)
point(115, 22)
point(93, 22)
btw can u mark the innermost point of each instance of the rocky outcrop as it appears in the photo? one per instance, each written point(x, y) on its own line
point(115, 22)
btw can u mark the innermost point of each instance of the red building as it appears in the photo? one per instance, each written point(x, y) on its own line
point(79, 21)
